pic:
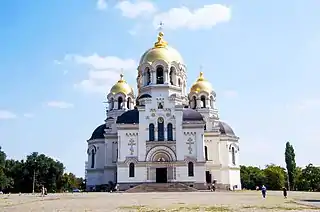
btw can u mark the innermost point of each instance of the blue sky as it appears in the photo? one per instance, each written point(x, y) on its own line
point(59, 58)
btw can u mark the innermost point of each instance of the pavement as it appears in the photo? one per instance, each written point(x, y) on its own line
point(172, 201)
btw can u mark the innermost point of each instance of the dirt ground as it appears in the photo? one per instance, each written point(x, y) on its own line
point(185, 201)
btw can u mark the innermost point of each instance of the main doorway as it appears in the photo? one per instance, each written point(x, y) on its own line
point(161, 175)
point(208, 177)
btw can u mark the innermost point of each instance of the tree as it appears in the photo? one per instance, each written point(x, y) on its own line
point(311, 176)
point(290, 165)
point(251, 177)
point(5, 181)
point(69, 182)
point(275, 177)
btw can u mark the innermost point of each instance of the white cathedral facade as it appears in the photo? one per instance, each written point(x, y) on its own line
point(164, 134)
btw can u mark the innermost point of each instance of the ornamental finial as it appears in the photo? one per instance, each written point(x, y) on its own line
point(121, 77)
point(161, 43)
point(201, 77)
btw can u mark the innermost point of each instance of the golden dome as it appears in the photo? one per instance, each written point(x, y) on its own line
point(161, 51)
point(121, 87)
point(201, 85)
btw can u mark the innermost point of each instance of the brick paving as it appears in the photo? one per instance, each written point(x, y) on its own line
point(184, 201)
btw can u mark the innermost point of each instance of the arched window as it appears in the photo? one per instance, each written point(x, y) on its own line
point(169, 132)
point(93, 158)
point(206, 152)
point(179, 82)
point(233, 154)
point(203, 101)
point(160, 129)
point(148, 77)
point(171, 75)
point(151, 132)
point(159, 75)
point(194, 102)
point(131, 170)
point(111, 104)
point(120, 101)
point(160, 106)
point(129, 103)
point(190, 169)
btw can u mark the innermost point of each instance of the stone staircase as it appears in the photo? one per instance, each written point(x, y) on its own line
point(161, 187)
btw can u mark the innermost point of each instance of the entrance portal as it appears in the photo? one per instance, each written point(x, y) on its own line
point(161, 175)
point(208, 177)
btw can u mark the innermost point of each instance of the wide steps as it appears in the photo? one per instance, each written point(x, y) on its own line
point(161, 187)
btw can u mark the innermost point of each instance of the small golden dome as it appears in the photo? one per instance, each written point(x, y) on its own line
point(161, 51)
point(121, 87)
point(201, 85)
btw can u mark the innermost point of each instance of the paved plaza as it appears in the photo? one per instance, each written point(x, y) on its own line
point(193, 201)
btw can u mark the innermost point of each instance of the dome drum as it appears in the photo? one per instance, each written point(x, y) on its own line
point(121, 96)
point(202, 94)
point(162, 65)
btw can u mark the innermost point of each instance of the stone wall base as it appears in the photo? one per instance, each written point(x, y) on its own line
point(198, 186)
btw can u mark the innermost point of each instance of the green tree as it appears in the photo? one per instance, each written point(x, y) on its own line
point(5, 181)
point(311, 177)
point(251, 177)
point(69, 181)
point(275, 177)
point(290, 164)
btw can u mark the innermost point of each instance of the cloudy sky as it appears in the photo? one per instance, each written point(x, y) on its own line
point(58, 60)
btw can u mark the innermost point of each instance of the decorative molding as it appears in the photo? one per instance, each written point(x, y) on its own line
point(131, 159)
point(90, 148)
point(150, 156)
point(188, 159)
point(190, 143)
point(132, 134)
point(132, 143)
point(189, 133)
point(236, 147)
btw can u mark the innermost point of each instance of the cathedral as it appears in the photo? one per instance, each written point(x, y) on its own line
point(164, 134)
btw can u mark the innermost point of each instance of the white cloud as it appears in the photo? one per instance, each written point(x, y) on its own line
point(201, 18)
point(28, 115)
point(104, 71)
point(102, 63)
point(99, 81)
point(136, 9)
point(102, 4)
point(230, 94)
point(59, 104)
point(5, 114)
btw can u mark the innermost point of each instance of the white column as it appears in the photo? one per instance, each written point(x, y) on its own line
point(165, 76)
point(153, 77)
point(198, 103)
point(115, 105)
point(200, 147)
point(207, 103)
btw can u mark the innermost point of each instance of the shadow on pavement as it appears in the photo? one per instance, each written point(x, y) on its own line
point(311, 200)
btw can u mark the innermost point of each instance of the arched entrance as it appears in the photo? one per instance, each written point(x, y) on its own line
point(160, 160)
point(161, 172)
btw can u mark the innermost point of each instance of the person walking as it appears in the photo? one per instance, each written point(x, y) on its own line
point(285, 193)
point(264, 191)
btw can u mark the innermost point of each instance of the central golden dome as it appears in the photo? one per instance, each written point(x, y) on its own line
point(201, 85)
point(121, 87)
point(161, 51)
